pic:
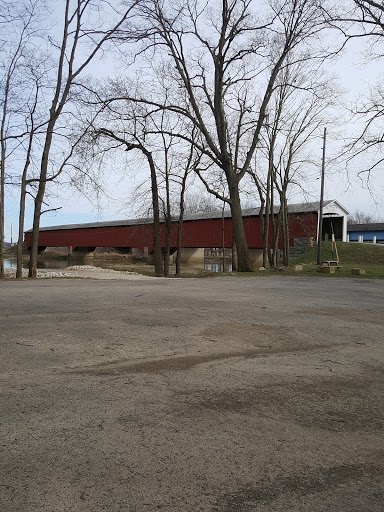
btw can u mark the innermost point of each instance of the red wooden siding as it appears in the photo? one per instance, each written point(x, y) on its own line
point(196, 233)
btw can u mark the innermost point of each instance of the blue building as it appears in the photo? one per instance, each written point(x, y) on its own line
point(373, 233)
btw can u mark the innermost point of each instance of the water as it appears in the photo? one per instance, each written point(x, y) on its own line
point(53, 264)
point(8, 263)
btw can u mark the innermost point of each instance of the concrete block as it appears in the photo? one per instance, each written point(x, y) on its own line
point(192, 255)
point(326, 270)
point(255, 258)
point(358, 271)
point(298, 268)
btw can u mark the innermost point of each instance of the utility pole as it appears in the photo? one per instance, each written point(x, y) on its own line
point(320, 231)
point(223, 235)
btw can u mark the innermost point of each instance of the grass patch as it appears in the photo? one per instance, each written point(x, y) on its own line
point(352, 255)
point(310, 270)
point(349, 253)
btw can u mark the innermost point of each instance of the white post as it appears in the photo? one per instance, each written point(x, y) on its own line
point(374, 240)
point(345, 229)
point(361, 239)
point(333, 237)
point(348, 238)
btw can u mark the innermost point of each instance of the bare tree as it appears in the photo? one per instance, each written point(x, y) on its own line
point(133, 126)
point(360, 217)
point(216, 59)
point(369, 144)
point(137, 143)
point(79, 26)
point(195, 202)
point(186, 201)
point(175, 170)
point(364, 19)
point(162, 127)
point(369, 15)
point(20, 26)
point(31, 128)
point(299, 106)
point(294, 163)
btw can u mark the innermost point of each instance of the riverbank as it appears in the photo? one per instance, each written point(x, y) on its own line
point(78, 271)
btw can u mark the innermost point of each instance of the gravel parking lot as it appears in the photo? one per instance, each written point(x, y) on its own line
point(215, 395)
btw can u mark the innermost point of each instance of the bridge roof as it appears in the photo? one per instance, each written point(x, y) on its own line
point(250, 212)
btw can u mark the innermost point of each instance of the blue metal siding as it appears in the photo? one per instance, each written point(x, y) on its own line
point(368, 235)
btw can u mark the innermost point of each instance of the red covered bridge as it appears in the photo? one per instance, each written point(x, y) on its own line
point(199, 231)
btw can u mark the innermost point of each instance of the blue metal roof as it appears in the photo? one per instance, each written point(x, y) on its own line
point(362, 228)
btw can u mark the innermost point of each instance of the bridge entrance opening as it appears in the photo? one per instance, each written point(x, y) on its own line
point(332, 225)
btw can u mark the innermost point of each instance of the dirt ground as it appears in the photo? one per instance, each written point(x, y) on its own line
point(214, 395)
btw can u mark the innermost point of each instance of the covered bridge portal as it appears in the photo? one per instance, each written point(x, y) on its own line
point(199, 230)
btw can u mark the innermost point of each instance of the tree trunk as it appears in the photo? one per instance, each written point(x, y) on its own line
point(156, 218)
point(2, 190)
point(240, 240)
point(2, 196)
point(261, 217)
point(168, 228)
point(285, 233)
point(223, 236)
point(19, 264)
point(266, 223)
point(234, 254)
point(39, 201)
point(239, 232)
point(272, 219)
point(3, 148)
point(23, 192)
point(180, 225)
point(167, 249)
point(276, 234)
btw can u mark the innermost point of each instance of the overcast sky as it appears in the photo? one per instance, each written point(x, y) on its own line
point(355, 77)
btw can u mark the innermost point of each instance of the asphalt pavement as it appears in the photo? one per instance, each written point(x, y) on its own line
point(185, 395)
